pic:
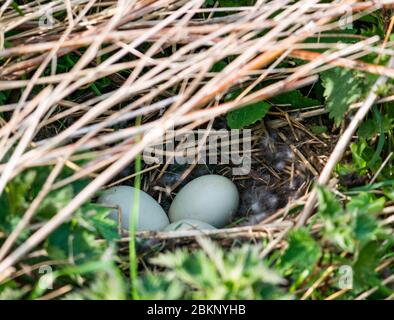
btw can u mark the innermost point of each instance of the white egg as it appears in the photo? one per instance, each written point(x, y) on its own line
point(212, 199)
point(151, 215)
point(188, 224)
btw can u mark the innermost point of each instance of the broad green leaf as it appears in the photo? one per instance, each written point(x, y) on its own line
point(362, 153)
point(367, 129)
point(296, 99)
point(364, 272)
point(302, 254)
point(18, 190)
point(55, 201)
point(342, 88)
point(73, 243)
point(108, 285)
point(12, 292)
point(211, 273)
point(337, 225)
point(328, 204)
point(365, 228)
point(367, 203)
point(160, 287)
point(97, 218)
point(247, 115)
point(218, 66)
point(318, 129)
point(3, 98)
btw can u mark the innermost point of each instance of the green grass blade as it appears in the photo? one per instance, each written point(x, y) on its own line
point(133, 225)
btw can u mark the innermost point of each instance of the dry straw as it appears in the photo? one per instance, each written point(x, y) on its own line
point(178, 89)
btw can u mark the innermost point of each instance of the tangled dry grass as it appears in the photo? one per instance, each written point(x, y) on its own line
point(124, 41)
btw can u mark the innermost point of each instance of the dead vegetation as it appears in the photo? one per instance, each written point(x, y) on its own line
point(159, 58)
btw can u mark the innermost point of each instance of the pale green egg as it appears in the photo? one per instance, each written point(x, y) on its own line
point(212, 199)
point(151, 216)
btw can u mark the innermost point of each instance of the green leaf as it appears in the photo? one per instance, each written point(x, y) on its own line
point(366, 227)
point(296, 99)
point(108, 285)
point(316, 130)
point(301, 255)
point(160, 287)
point(367, 129)
point(236, 3)
point(218, 66)
point(211, 273)
point(364, 267)
point(342, 88)
point(366, 203)
point(371, 127)
point(364, 207)
point(73, 243)
point(55, 201)
point(16, 7)
point(97, 218)
point(247, 115)
point(18, 191)
point(328, 204)
point(337, 224)
point(15, 200)
point(12, 293)
point(3, 98)
point(362, 153)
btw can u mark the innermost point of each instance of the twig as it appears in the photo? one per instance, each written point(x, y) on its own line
point(342, 145)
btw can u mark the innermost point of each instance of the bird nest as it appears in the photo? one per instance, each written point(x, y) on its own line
point(168, 65)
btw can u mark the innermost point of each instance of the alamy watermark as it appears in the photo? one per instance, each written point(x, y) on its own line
point(46, 280)
point(345, 280)
point(47, 20)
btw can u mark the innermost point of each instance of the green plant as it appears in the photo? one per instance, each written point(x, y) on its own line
point(212, 273)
